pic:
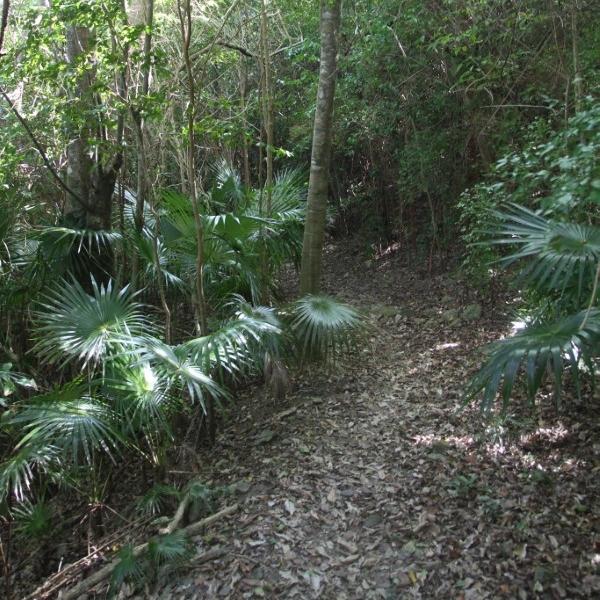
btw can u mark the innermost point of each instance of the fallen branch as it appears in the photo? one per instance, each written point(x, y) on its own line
point(177, 517)
point(106, 571)
point(58, 580)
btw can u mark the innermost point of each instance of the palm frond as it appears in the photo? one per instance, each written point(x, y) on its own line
point(321, 327)
point(143, 244)
point(18, 471)
point(11, 380)
point(178, 366)
point(61, 241)
point(33, 519)
point(171, 548)
point(76, 326)
point(141, 399)
point(129, 208)
point(131, 568)
point(227, 192)
point(155, 500)
point(536, 351)
point(288, 194)
point(238, 346)
point(69, 420)
point(561, 254)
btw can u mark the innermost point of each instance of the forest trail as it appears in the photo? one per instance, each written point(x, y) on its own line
point(371, 482)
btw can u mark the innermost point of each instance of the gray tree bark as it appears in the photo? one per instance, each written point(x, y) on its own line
point(92, 180)
point(314, 229)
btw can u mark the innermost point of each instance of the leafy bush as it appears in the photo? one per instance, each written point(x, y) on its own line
point(556, 238)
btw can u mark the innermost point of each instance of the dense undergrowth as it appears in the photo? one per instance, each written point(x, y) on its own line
point(153, 179)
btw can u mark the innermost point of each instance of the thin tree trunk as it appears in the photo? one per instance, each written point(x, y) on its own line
point(577, 81)
point(267, 102)
point(140, 134)
point(243, 76)
point(3, 22)
point(185, 21)
point(78, 162)
point(243, 73)
point(314, 229)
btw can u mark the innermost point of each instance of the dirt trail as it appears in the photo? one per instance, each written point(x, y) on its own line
point(370, 482)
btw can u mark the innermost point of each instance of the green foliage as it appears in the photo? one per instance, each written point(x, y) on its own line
point(563, 255)
point(234, 350)
point(463, 486)
point(559, 244)
point(156, 499)
point(477, 219)
point(169, 549)
point(130, 569)
point(33, 520)
point(11, 381)
point(17, 472)
point(558, 171)
point(238, 235)
point(76, 326)
point(78, 427)
point(135, 568)
point(321, 328)
point(536, 350)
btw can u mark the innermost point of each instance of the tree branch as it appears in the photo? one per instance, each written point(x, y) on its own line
point(106, 571)
point(240, 49)
point(3, 22)
point(42, 152)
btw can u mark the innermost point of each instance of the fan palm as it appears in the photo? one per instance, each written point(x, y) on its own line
point(237, 241)
point(563, 258)
point(322, 327)
point(11, 380)
point(562, 254)
point(73, 325)
point(69, 421)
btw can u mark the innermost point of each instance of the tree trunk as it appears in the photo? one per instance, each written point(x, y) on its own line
point(267, 102)
point(79, 164)
point(314, 229)
point(139, 123)
point(185, 22)
point(243, 75)
point(91, 180)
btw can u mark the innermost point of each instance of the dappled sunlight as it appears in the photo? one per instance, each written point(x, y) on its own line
point(551, 436)
point(517, 326)
point(430, 440)
point(382, 251)
point(447, 346)
point(533, 451)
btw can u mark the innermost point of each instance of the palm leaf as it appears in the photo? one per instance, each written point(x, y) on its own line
point(171, 548)
point(239, 345)
point(141, 399)
point(534, 352)
point(155, 500)
point(79, 427)
point(33, 519)
point(131, 568)
point(11, 380)
point(18, 471)
point(178, 366)
point(561, 254)
point(227, 193)
point(321, 327)
point(75, 325)
point(143, 244)
point(62, 241)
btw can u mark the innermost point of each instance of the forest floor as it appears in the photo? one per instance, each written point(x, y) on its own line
point(373, 481)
